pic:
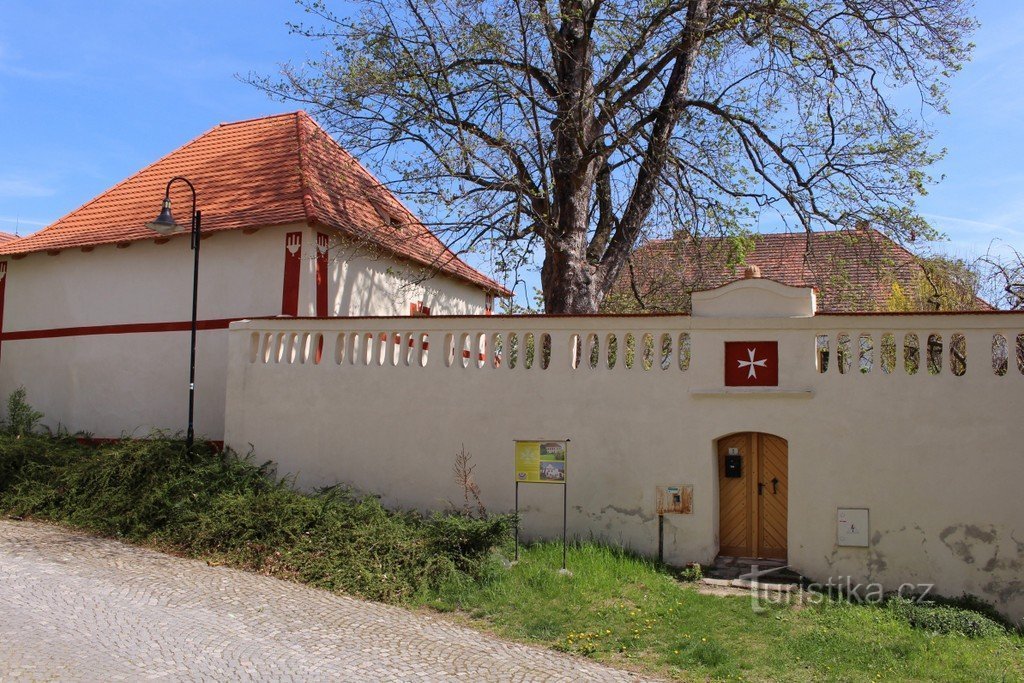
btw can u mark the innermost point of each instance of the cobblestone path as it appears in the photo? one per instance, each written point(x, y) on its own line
point(76, 607)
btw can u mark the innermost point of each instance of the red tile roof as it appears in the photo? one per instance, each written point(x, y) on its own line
point(265, 172)
point(7, 237)
point(852, 270)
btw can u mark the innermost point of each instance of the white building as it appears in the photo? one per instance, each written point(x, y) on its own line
point(95, 309)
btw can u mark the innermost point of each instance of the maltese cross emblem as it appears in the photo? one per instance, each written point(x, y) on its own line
point(752, 364)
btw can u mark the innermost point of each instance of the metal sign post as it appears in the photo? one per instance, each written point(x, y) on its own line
point(543, 462)
point(517, 521)
point(565, 510)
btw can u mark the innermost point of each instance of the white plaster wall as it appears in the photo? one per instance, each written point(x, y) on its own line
point(114, 385)
point(938, 459)
point(365, 285)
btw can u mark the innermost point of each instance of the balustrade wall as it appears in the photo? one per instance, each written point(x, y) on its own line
point(915, 417)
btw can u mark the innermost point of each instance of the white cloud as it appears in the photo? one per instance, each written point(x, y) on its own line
point(22, 187)
point(969, 223)
point(15, 220)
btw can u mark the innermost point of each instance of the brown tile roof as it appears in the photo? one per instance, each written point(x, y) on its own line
point(852, 270)
point(264, 172)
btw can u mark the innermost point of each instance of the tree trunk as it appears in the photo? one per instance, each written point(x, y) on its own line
point(570, 282)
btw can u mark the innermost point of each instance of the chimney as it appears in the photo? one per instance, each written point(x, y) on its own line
point(751, 272)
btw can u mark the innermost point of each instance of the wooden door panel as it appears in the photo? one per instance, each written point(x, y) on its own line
point(735, 505)
point(773, 501)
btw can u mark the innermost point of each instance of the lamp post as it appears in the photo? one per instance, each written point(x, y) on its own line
point(165, 225)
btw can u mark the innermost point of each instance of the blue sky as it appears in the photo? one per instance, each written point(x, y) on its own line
point(90, 92)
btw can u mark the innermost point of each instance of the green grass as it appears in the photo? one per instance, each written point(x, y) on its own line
point(627, 611)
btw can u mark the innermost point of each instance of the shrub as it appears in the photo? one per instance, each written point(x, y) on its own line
point(222, 507)
point(21, 418)
point(467, 540)
point(690, 573)
point(945, 619)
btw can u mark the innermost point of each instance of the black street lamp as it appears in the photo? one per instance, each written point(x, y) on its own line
point(165, 225)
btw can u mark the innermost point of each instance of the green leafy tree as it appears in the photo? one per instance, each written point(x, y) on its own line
point(940, 283)
point(572, 128)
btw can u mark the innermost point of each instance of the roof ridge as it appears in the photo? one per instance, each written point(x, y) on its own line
point(447, 257)
point(54, 225)
point(267, 117)
point(307, 199)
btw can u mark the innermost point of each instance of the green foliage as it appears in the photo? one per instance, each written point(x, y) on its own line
point(945, 619)
point(227, 509)
point(21, 418)
point(940, 284)
point(691, 573)
point(467, 541)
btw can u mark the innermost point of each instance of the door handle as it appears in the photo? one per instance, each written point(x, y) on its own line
point(760, 488)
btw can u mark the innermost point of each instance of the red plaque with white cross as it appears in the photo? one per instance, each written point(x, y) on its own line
point(752, 364)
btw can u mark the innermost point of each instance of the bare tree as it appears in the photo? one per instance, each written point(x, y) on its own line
point(1001, 272)
point(573, 128)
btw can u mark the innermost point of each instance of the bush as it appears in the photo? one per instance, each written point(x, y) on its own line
point(467, 540)
point(21, 418)
point(690, 573)
point(222, 507)
point(946, 619)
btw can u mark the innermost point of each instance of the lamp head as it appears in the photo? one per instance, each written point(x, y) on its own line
point(164, 223)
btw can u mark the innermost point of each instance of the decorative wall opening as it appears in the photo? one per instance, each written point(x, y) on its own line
point(866, 347)
point(684, 351)
point(844, 353)
point(666, 351)
point(934, 354)
point(630, 354)
point(958, 354)
point(648, 346)
point(911, 353)
point(887, 353)
point(593, 351)
point(1000, 355)
point(1020, 353)
point(821, 352)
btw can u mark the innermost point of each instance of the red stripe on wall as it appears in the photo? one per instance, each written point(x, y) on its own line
point(321, 274)
point(292, 267)
point(126, 328)
point(3, 291)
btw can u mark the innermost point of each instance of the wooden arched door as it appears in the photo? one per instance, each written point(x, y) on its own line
point(753, 493)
